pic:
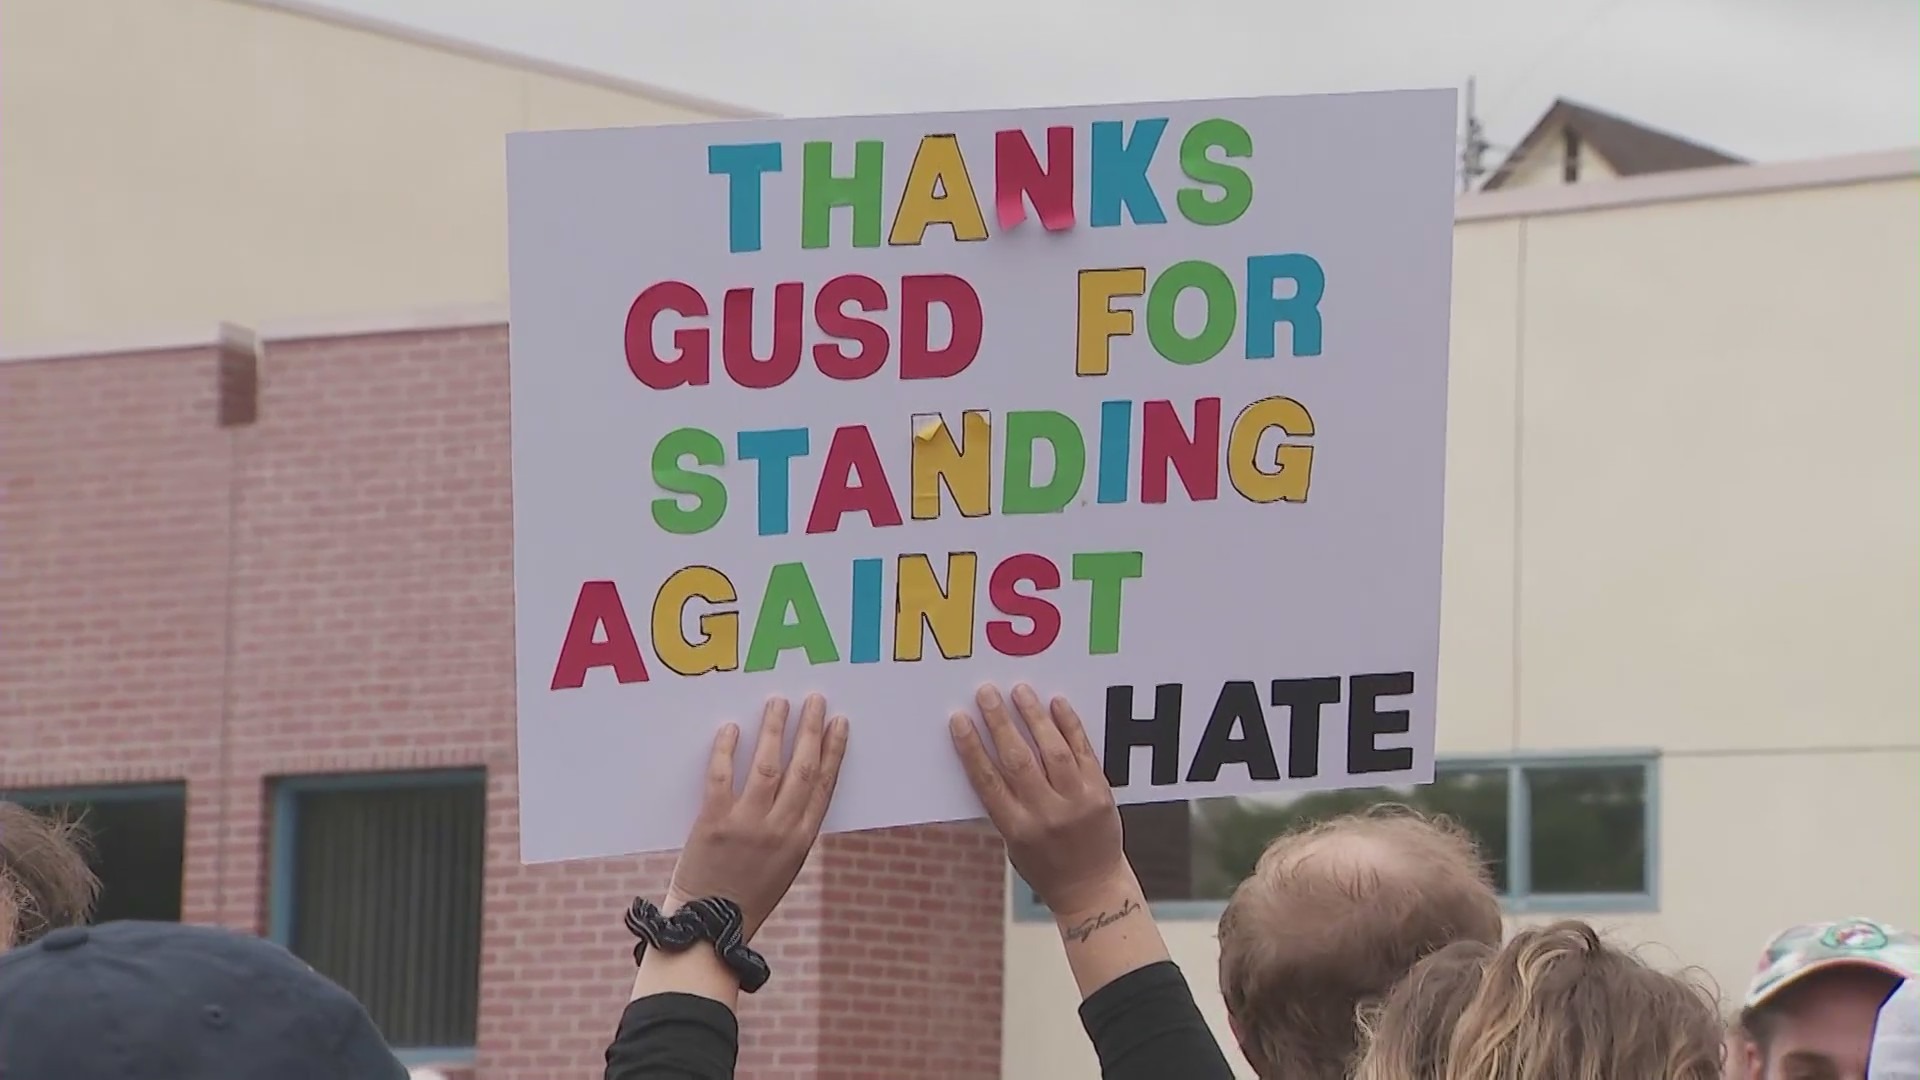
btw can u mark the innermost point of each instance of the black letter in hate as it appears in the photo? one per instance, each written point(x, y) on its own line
point(1237, 707)
point(1160, 732)
point(1365, 724)
point(1304, 698)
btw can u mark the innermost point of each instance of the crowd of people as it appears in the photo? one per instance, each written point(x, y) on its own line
point(1370, 947)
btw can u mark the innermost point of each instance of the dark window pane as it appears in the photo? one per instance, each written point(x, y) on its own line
point(136, 846)
point(1160, 848)
point(1229, 834)
point(386, 902)
point(1589, 829)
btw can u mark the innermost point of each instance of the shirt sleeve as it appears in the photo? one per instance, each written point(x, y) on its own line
point(1145, 1026)
point(675, 1037)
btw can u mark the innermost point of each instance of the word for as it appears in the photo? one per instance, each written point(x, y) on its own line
point(1238, 732)
point(858, 346)
point(853, 479)
point(939, 188)
point(789, 616)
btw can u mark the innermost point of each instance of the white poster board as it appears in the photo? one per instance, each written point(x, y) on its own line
point(1144, 405)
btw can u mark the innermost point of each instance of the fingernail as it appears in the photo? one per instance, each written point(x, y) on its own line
point(957, 724)
point(989, 695)
point(816, 701)
point(1023, 694)
point(839, 725)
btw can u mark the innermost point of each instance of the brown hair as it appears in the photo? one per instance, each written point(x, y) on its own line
point(1556, 1003)
point(1331, 918)
point(44, 872)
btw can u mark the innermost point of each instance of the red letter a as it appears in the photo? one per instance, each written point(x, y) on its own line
point(599, 605)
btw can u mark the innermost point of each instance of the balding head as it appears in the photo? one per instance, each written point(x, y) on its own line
point(1331, 917)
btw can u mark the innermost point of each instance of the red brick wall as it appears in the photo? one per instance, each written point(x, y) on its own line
point(353, 547)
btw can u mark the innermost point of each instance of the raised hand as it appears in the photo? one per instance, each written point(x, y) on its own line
point(748, 846)
point(1050, 800)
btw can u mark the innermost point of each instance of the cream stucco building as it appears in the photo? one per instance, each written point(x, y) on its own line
point(156, 151)
point(1683, 507)
point(1683, 500)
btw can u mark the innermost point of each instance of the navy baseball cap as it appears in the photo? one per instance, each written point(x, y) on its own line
point(162, 1001)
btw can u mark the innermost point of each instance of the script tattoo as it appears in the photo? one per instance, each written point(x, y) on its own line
point(1079, 932)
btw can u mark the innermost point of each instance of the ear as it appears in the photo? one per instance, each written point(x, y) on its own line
point(1753, 1061)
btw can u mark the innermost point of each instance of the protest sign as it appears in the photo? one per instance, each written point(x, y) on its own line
point(1144, 405)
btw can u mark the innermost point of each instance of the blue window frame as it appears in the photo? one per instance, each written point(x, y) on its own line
point(376, 880)
point(135, 836)
point(1564, 833)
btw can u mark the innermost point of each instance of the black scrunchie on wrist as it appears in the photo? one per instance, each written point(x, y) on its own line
point(711, 919)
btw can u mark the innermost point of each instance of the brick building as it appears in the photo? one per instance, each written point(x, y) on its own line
point(254, 595)
point(255, 610)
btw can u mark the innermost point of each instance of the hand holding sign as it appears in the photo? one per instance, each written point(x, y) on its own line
point(1053, 807)
point(749, 846)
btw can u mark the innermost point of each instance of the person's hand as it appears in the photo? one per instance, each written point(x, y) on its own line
point(1054, 808)
point(748, 847)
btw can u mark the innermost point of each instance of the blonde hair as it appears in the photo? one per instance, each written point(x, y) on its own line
point(9, 912)
point(42, 858)
point(1331, 918)
point(1556, 1003)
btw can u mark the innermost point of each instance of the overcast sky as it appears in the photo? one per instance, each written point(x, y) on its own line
point(1764, 79)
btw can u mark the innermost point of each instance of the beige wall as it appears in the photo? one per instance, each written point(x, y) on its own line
point(1543, 167)
point(1683, 509)
point(166, 164)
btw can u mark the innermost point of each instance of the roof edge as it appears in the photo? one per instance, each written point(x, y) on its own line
point(221, 335)
point(1665, 133)
point(1684, 185)
point(415, 321)
point(372, 24)
point(1680, 186)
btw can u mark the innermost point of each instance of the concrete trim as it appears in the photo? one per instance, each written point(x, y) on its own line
point(221, 335)
point(416, 321)
point(321, 12)
point(1687, 185)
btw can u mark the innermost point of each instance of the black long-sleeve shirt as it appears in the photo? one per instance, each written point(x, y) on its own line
point(1144, 1026)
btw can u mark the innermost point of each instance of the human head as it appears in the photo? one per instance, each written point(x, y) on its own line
point(1810, 1011)
point(51, 884)
point(1331, 918)
point(173, 1002)
point(1555, 1003)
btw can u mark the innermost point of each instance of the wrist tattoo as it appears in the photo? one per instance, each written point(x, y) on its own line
point(1079, 932)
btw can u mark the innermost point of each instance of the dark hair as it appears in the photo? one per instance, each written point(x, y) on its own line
point(44, 872)
point(1331, 918)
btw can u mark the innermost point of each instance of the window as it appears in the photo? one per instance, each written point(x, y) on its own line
point(1567, 834)
point(377, 883)
point(1570, 158)
point(136, 841)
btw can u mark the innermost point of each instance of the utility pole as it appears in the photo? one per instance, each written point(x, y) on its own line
point(1473, 144)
